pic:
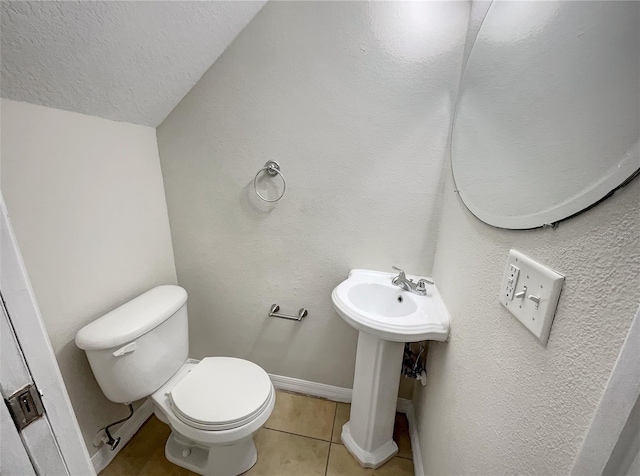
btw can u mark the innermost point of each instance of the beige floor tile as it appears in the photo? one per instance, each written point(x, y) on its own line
point(401, 436)
point(283, 454)
point(160, 465)
point(132, 458)
point(302, 415)
point(342, 417)
point(341, 463)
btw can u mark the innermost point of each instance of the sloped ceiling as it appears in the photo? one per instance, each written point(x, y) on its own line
point(130, 61)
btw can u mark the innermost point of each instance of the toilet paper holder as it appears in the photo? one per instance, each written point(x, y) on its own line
point(302, 313)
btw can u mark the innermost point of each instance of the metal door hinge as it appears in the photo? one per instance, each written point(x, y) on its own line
point(25, 406)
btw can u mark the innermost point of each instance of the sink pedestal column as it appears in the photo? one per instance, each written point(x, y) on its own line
point(368, 435)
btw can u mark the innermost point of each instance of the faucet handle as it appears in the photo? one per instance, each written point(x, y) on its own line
point(398, 269)
point(421, 286)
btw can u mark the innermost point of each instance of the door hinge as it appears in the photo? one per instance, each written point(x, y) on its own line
point(25, 406)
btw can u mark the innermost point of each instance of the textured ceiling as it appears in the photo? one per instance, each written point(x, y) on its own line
point(127, 61)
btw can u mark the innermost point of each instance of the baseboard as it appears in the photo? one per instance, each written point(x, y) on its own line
point(104, 456)
point(418, 468)
point(314, 389)
point(322, 390)
point(404, 405)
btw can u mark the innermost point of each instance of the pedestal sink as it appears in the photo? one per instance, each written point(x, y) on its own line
point(387, 317)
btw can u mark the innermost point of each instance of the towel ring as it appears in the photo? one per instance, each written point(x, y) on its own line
point(272, 168)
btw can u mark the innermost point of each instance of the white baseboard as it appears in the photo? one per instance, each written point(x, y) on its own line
point(341, 394)
point(104, 456)
point(404, 405)
point(418, 468)
point(322, 390)
point(314, 389)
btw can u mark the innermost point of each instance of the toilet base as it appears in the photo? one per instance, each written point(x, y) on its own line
point(216, 460)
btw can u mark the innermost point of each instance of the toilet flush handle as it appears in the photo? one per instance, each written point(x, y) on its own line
point(130, 347)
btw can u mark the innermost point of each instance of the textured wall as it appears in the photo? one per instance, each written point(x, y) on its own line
point(353, 99)
point(497, 402)
point(86, 201)
point(127, 61)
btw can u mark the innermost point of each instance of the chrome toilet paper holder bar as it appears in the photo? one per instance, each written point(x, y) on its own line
point(302, 313)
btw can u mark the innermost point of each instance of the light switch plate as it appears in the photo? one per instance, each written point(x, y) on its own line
point(532, 297)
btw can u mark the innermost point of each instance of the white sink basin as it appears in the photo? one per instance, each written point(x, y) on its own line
point(370, 303)
point(380, 300)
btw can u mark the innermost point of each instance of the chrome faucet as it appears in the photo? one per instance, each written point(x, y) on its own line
point(407, 284)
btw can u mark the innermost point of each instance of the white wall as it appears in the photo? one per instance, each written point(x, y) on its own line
point(86, 200)
point(497, 402)
point(353, 99)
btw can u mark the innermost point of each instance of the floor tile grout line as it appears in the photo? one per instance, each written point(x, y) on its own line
point(335, 410)
point(297, 434)
point(333, 427)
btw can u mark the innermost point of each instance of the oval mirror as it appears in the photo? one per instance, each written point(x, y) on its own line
point(548, 115)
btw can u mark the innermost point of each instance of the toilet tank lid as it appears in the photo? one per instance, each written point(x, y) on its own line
point(133, 319)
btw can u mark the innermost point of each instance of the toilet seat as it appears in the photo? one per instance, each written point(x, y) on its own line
point(221, 393)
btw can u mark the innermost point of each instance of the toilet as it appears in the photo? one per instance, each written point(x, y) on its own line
point(213, 406)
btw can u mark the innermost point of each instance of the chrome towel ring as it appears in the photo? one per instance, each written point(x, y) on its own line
point(272, 168)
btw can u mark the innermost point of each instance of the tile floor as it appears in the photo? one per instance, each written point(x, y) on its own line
point(302, 438)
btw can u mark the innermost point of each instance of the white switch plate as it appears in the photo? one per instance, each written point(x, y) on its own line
point(534, 282)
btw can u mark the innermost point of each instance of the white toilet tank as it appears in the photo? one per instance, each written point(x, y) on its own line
point(138, 346)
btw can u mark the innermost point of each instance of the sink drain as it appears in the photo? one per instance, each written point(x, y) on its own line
point(400, 299)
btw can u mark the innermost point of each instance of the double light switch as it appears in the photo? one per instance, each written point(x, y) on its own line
point(530, 291)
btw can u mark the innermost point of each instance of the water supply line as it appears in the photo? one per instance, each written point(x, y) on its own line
point(413, 362)
point(111, 441)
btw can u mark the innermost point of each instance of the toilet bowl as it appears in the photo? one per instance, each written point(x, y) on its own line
point(213, 406)
point(218, 441)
